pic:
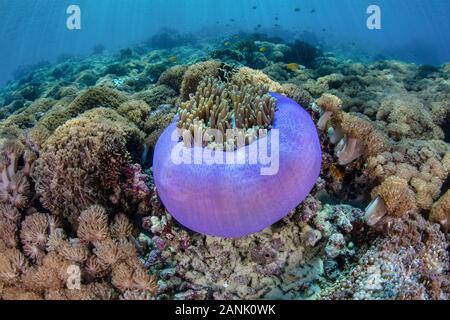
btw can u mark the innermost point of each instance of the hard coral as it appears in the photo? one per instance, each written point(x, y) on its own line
point(423, 164)
point(410, 264)
point(248, 76)
point(297, 94)
point(408, 118)
point(173, 77)
point(91, 98)
point(156, 96)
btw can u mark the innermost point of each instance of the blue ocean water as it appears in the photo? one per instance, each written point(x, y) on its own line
point(35, 30)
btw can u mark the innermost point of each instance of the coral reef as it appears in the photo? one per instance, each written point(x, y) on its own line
point(81, 217)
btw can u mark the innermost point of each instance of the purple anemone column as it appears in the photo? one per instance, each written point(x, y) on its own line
point(234, 200)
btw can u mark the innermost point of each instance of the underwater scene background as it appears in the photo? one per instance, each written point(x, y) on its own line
point(92, 205)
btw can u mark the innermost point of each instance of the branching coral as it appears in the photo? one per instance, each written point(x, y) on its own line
point(221, 106)
point(248, 76)
point(137, 111)
point(297, 94)
point(82, 163)
point(156, 96)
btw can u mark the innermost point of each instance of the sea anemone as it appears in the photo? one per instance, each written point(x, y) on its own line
point(239, 198)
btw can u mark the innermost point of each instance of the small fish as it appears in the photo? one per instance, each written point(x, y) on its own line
point(313, 10)
point(276, 25)
point(259, 26)
point(292, 66)
point(262, 49)
point(297, 9)
point(172, 58)
point(276, 18)
point(254, 7)
point(226, 43)
point(324, 29)
point(232, 20)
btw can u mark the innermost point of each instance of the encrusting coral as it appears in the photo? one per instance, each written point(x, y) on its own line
point(224, 106)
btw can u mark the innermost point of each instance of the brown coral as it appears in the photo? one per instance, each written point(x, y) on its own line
point(69, 268)
point(83, 161)
point(93, 224)
point(361, 139)
point(393, 197)
point(440, 212)
point(173, 77)
point(97, 97)
point(247, 76)
point(330, 104)
point(195, 73)
point(14, 184)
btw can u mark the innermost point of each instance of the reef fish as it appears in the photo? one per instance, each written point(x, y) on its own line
point(292, 66)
